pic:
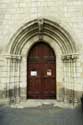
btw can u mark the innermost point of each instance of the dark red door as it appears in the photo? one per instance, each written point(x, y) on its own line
point(41, 74)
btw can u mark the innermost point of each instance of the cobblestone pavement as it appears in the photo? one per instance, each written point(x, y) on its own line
point(44, 115)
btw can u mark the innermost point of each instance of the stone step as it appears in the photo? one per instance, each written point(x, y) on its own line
point(36, 103)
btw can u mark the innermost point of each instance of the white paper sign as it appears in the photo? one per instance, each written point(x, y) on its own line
point(49, 72)
point(33, 73)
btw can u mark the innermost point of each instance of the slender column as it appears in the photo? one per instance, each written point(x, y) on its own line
point(69, 62)
point(13, 84)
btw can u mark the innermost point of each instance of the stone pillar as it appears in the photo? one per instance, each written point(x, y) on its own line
point(70, 77)
point(13, 74)
point(23, 79)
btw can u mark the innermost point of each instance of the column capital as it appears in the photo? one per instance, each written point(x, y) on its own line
point(68, 57)
point(12, 56)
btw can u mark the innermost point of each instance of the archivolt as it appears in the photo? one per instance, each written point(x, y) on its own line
point(42, 27)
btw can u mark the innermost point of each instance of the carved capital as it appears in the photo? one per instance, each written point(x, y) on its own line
point(72, 57)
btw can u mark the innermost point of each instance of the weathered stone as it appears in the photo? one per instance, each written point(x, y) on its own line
point(59, 24)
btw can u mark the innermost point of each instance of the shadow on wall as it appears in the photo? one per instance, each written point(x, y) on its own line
point(71, 96)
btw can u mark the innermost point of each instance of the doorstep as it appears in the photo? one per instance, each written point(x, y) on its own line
point(39, 102)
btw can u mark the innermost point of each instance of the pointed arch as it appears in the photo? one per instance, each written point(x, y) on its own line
point(41, 28)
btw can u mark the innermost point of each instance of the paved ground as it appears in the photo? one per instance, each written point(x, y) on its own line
point(43, 115)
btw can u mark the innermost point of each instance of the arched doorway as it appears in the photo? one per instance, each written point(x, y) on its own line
point(22, 43)
point(41, 72)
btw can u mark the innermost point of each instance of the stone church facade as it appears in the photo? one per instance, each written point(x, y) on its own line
point(24, 23)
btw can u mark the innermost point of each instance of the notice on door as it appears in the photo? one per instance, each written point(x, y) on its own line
point(33, 73)
point(49, 72)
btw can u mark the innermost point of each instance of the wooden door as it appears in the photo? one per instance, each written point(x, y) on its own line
point(41, 76)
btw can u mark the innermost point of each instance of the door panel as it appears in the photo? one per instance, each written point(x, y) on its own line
point(34, 87)
point(41, 72)
point(48, 81)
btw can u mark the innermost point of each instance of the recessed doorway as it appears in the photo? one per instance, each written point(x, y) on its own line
point(41, 72)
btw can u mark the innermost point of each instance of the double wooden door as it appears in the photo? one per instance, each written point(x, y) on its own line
point(41, 76)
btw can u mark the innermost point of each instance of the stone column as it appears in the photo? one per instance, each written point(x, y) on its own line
point(69, 77)
point(13, 74)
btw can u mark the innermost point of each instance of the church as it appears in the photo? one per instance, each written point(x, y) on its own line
point(41, 50)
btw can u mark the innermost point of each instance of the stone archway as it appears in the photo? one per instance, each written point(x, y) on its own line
point(39, 28)
point(63, 45)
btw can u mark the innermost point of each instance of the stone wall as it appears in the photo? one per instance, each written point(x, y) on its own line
point(14, 14)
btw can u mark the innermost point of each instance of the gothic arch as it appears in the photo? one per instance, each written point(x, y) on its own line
point(41, 28)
